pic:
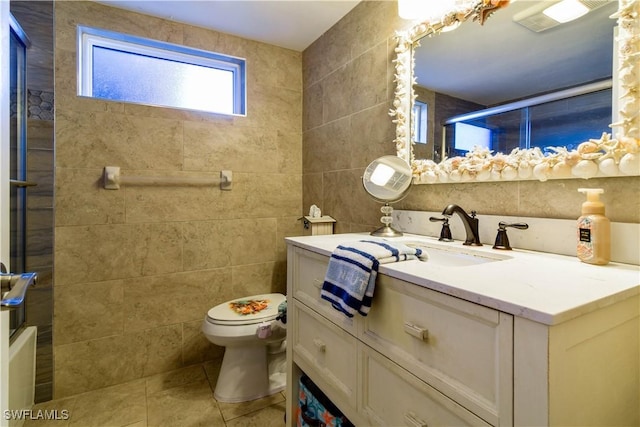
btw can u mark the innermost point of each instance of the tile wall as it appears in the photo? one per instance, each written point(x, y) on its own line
point(137, 269)
point(348, 91)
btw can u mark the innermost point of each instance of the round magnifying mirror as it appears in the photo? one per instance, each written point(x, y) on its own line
point(387, 179)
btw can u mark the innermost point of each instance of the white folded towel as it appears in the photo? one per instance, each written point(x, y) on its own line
point(351, 276)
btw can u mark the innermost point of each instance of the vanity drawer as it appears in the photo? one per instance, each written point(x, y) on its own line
point(308, 270)
point(321, 346)
point(392, 396)
point(462, 349)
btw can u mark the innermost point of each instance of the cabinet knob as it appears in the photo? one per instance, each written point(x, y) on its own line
point(410, 420)
point(416, 331)
point(320, 345)
point(317, 283)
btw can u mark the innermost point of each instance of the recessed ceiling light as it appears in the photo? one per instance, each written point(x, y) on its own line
point(566, 10)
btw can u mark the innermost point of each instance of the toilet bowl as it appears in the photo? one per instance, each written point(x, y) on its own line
point(252, 367)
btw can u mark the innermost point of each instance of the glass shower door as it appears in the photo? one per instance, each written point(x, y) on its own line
point(18, 159)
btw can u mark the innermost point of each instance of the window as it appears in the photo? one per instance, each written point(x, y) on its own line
point(126, 68)
point(420, 122)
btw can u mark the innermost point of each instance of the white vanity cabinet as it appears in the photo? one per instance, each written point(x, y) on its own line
point(419, 358)
point(427, 358)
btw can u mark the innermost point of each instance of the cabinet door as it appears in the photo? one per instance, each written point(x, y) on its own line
point(392, 396)
point(308, 270)
point(320, 346)
point(462, 349)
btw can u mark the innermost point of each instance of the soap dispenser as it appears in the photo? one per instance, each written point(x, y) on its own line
point(594, 230)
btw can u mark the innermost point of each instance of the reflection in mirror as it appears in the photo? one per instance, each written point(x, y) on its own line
point(509, 101)
point(387, 179)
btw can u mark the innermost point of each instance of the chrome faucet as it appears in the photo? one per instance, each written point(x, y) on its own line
point(470, 223)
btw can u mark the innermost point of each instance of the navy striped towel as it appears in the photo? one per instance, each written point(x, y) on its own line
point(351, 275)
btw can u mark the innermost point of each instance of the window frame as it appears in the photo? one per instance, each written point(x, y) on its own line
point(88, 37)
point(421, 123)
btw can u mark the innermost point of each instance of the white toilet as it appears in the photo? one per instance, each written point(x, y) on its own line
point(252, 367)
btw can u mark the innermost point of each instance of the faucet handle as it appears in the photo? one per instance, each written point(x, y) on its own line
point(502, 240)
point(519, 225)
point(445, 232)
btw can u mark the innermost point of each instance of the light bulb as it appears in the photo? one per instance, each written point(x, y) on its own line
point(382, 174)
point(566, 10)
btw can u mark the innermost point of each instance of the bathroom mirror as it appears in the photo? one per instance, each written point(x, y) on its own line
point(387, 179)
point(593, 154)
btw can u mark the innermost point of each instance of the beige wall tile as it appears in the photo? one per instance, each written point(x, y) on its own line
point(82, 200)
point(336, 93)
point(274, 108)
point(94, 364)
point(312, 192)
point(289, 157)
point(368, 73)
point(196, 348)
point(68, 15)
point(328, 147)
point(371, 135)
point(98, 139)
point(88, 311)
point(265, 195)
point(175, 203)
point(90, 365)
point(254, 241)
point(323, 57)
point(105, 252)
point(287, 227)
point(485, 198)
point(206, 244)
point(168, 299)
point(312, 106)
point(239, 148)
point(162, 349)
point(256, 279)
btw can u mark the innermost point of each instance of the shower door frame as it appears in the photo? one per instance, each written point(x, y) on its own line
point(4, 199)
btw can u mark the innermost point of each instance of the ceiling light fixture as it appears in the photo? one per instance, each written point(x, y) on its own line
point(566, 10)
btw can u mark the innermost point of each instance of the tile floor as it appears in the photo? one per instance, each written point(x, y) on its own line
point(182, 398)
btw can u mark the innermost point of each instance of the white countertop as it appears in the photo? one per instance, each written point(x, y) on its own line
point(542, 287)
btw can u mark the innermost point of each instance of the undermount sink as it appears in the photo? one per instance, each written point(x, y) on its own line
point(455, 256)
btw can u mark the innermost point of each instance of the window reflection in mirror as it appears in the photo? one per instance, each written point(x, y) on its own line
point(565, 122)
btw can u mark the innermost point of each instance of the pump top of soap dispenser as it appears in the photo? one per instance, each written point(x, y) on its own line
point(593, 205)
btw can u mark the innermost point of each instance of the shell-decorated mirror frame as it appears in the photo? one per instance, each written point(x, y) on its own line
point(612, 154)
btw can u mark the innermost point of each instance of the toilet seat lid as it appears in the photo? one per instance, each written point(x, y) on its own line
point(246, 310)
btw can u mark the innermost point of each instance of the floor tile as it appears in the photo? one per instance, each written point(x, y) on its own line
point(115, 406)
point(176, 378)
point(271, 416)
point(181, 398)
point(191, 405)
point(235, 410)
